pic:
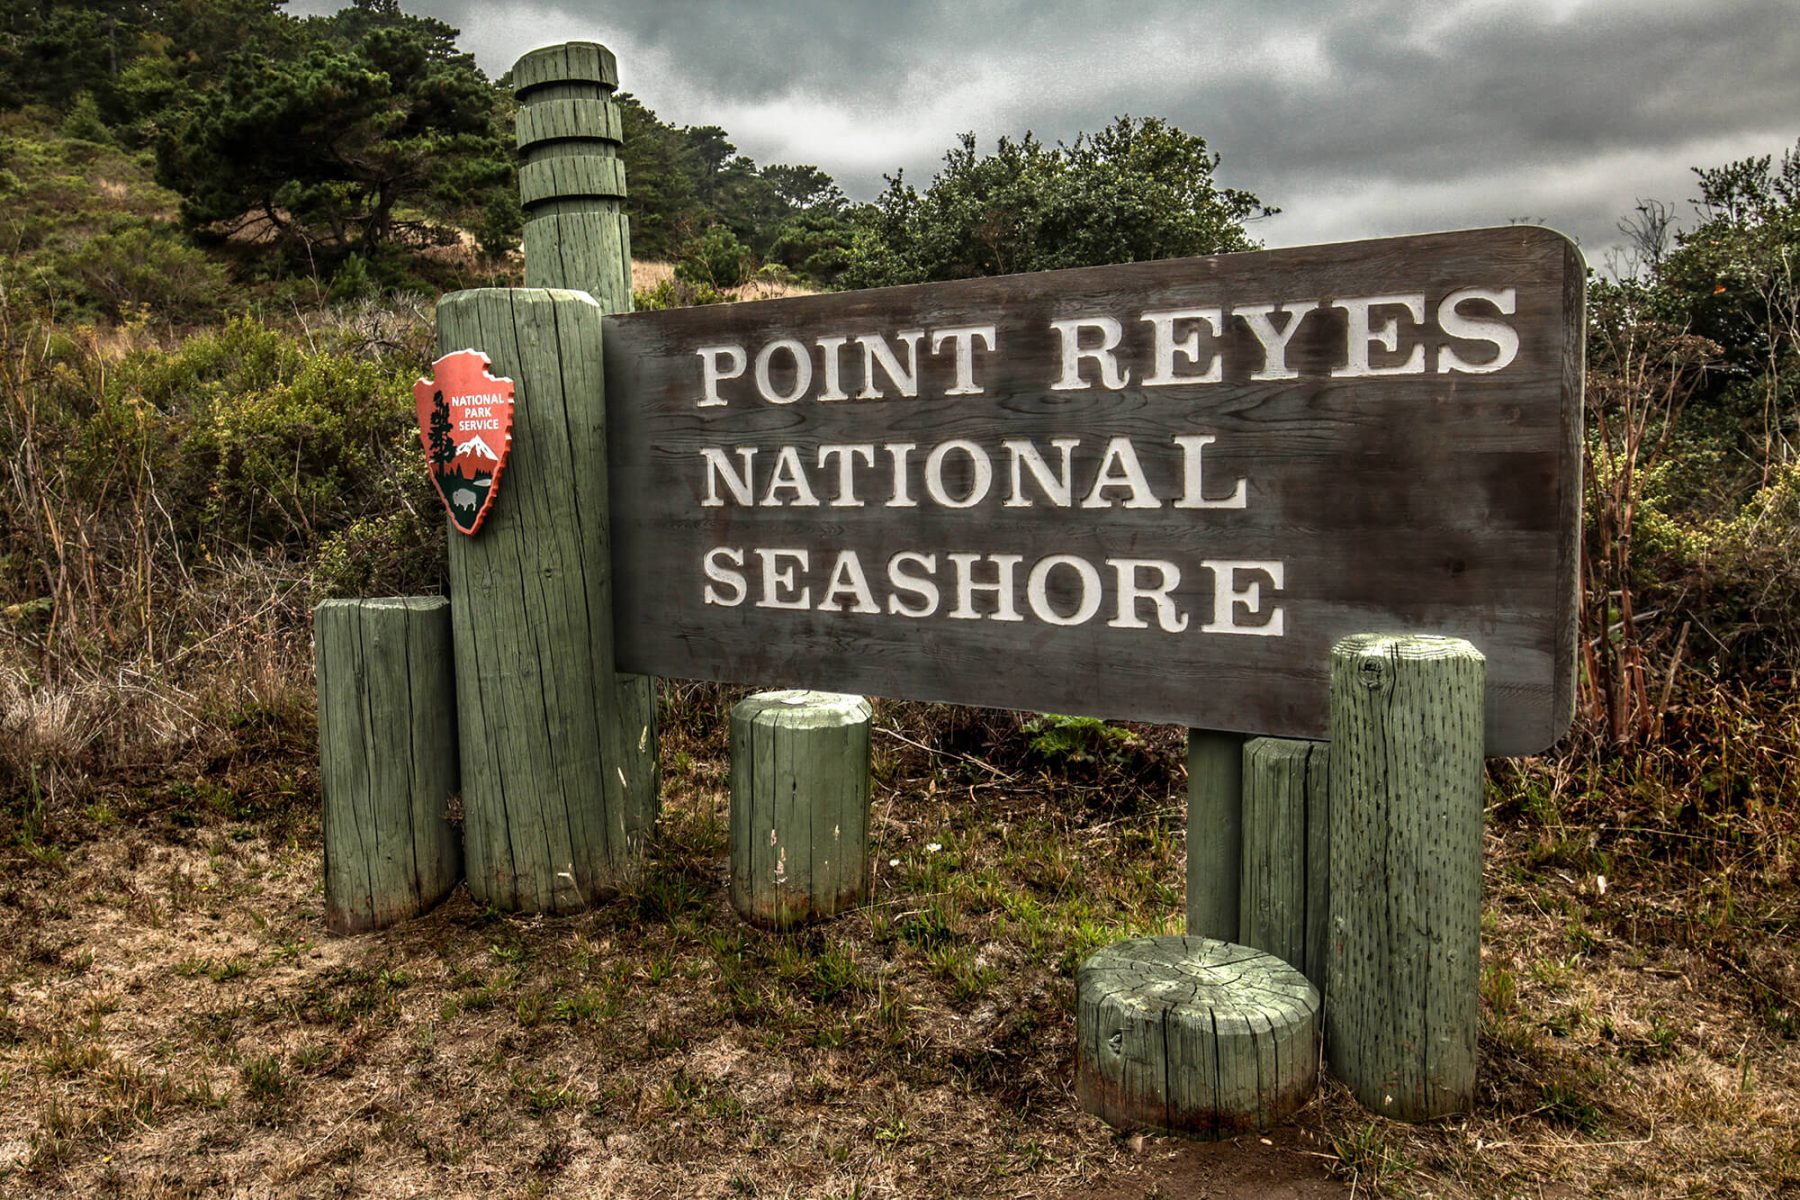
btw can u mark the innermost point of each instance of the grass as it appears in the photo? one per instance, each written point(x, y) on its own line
point(168, 993)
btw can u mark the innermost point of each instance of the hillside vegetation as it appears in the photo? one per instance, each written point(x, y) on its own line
point(205, 385)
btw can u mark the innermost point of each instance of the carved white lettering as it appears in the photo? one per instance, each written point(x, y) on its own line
point(1362, 334)
point(1120, 468)
point(912, 585)
point(1166, 346)
point(789, 475)
point(962, 338)
point(847, 578)
point(712, 374)
point(1002, 587)
point(877, 351)
point(1274, 341)
point(1073, 352)
point(1503, 337)
point(846, 459)
point(718, 572)
point(777, 579)
point(982, 474)
point(1228, 595)
point(1169, 617)
point(831, 357)
point(1058, 489)
point(1037, 590)
point(1193, 492)
point(719, 470)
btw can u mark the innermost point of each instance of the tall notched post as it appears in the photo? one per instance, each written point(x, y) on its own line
point(571, 178)
point(559, 750)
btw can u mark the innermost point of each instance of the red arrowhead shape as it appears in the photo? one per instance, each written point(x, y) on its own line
point(465, 422)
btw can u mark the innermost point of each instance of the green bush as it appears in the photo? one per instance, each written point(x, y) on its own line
point(1747, 569)
point(716, 258)
point(677, 293)
point(391, 554)
point(278, 445)
point(351, 281)
point(1060, 739)
point(144, 270)
point(83, 122)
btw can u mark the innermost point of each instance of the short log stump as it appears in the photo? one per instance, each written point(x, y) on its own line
point(799, 806)
point(1194, 1036)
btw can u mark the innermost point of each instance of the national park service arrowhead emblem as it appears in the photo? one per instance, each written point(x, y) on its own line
point(465, 421)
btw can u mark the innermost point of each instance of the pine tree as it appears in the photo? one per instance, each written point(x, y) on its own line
point(443, 447)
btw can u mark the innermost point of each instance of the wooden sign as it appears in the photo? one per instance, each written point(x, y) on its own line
point(1158, 491)
point(465, 421)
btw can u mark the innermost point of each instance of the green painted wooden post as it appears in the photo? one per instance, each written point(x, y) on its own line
point(571, 179)
point(1287, 852)
point(1404, 962)
point(1193, 1036)
point(799, 806)
point(1214, 832)
point(387, 758)
point(572, 187)
point(558, 770)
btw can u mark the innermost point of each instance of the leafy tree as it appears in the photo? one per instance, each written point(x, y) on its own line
point(804, 188)
point(381, 132)
point(814, 243)
point(1136, 190)
point(661, 198)
point(53, 51)
point(1732, 278)
point(135, 58)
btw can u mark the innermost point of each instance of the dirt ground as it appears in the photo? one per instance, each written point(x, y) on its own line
point(176, 1021)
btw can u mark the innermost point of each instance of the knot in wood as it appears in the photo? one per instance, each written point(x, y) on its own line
point(1373, 673)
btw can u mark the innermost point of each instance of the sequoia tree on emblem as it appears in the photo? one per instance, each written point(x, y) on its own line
point(465, 421)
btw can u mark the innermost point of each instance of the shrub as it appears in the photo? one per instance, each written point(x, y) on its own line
point(351, 281)
point(142, 270)
point(390, 554)
point(716, 258)
point(678, 293)
point(278, 446)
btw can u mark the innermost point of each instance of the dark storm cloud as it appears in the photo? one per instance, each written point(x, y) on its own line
point(1378, 117)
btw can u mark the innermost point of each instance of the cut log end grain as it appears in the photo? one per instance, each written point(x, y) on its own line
point(1194, 1036)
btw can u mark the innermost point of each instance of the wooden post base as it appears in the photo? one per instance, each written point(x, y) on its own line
point(799, 806)
point(1194, 1036)
point(1403, 961)
point(1287, 852)
point(387, 758)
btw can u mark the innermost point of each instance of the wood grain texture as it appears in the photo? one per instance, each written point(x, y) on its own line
point(1440, 502)
point(799, 806)
point(1214, 833)
point(576, 118)
point(558, 751)
point(571, 180)
point(1403, 965)
point(566, 62)
point(1193, 1036)
point(387, 758)
point(1287, 852)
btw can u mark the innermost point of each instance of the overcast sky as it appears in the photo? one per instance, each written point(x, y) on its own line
point(1357, 119)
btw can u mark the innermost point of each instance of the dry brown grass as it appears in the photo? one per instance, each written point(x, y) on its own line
point(646, 276)
point(176, 1022)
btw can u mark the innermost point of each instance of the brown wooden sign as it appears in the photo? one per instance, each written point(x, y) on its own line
point(1158, 491)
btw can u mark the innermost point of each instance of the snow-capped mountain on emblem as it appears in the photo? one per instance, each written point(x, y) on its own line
point(464, 413)
point(476, 448)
